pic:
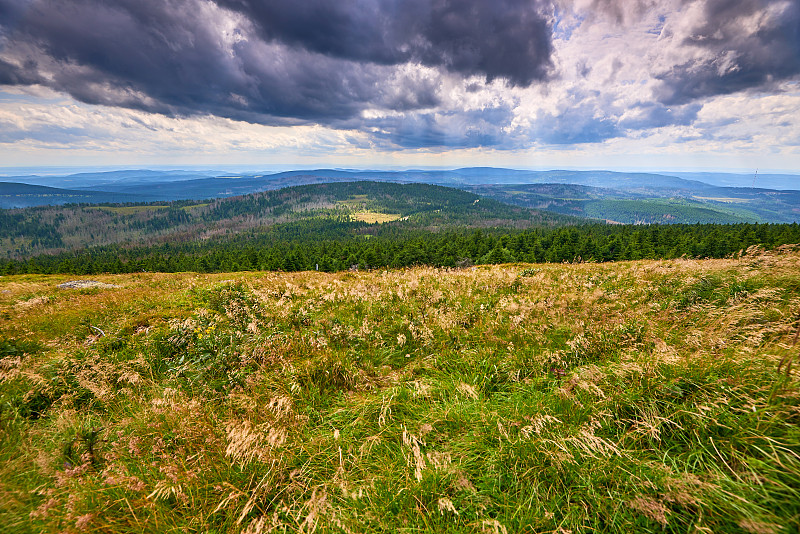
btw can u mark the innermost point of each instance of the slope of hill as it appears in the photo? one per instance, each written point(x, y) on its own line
point(651, 396)
point(644, 205)
point(24, 233)
point(694, 200)
point(100, 179)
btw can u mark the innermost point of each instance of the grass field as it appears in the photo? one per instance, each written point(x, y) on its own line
point(372, 217)
point(629, 397)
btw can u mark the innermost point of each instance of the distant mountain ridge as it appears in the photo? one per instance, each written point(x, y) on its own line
point(331, 210)
point(671, 197)
point(468, 175)
point(758, 180)
point(20, 195)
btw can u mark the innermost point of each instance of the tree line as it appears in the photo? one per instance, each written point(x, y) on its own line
point(340, 244)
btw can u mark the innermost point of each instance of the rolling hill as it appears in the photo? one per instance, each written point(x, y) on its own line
point(642, 205)
point(348, 207)
point(633, 198)
point(19, 195)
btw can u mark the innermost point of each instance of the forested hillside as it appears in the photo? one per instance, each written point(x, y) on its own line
point(655, 204)
point(53, 229)
point(333, 227)
point(624, 197)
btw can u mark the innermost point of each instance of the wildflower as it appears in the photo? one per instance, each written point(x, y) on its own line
point(650, 508)
point(83, 521)
point(756, 527)
point(446, 505)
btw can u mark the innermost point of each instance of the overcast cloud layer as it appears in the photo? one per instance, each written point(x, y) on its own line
point(397, 75)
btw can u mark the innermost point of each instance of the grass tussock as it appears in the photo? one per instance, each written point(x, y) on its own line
point(640, 396)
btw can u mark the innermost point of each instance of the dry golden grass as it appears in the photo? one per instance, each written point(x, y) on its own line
point(372, 217)
point(590, 397)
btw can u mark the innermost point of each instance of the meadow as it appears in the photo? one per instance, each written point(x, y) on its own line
point(637, 396)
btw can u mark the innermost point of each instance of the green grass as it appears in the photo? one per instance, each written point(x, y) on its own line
point(630, 397)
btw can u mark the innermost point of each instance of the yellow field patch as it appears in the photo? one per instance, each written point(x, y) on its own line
point(375, 217)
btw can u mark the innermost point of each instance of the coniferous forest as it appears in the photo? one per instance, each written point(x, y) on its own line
point(335, 245)
point(339, 226)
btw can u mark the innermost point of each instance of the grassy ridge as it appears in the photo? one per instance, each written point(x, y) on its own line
point(636, 396)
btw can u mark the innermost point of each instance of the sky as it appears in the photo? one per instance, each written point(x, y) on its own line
point(615, 84)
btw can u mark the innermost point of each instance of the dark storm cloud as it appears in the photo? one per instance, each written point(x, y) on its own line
point(341, 63)
point(649, 115)
point(18, 75)
point(744, 44)
point(507, 39)
point(620, 11)
point(11, 11)
point(278, 62)
point(465, 129)
point(167, 57)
